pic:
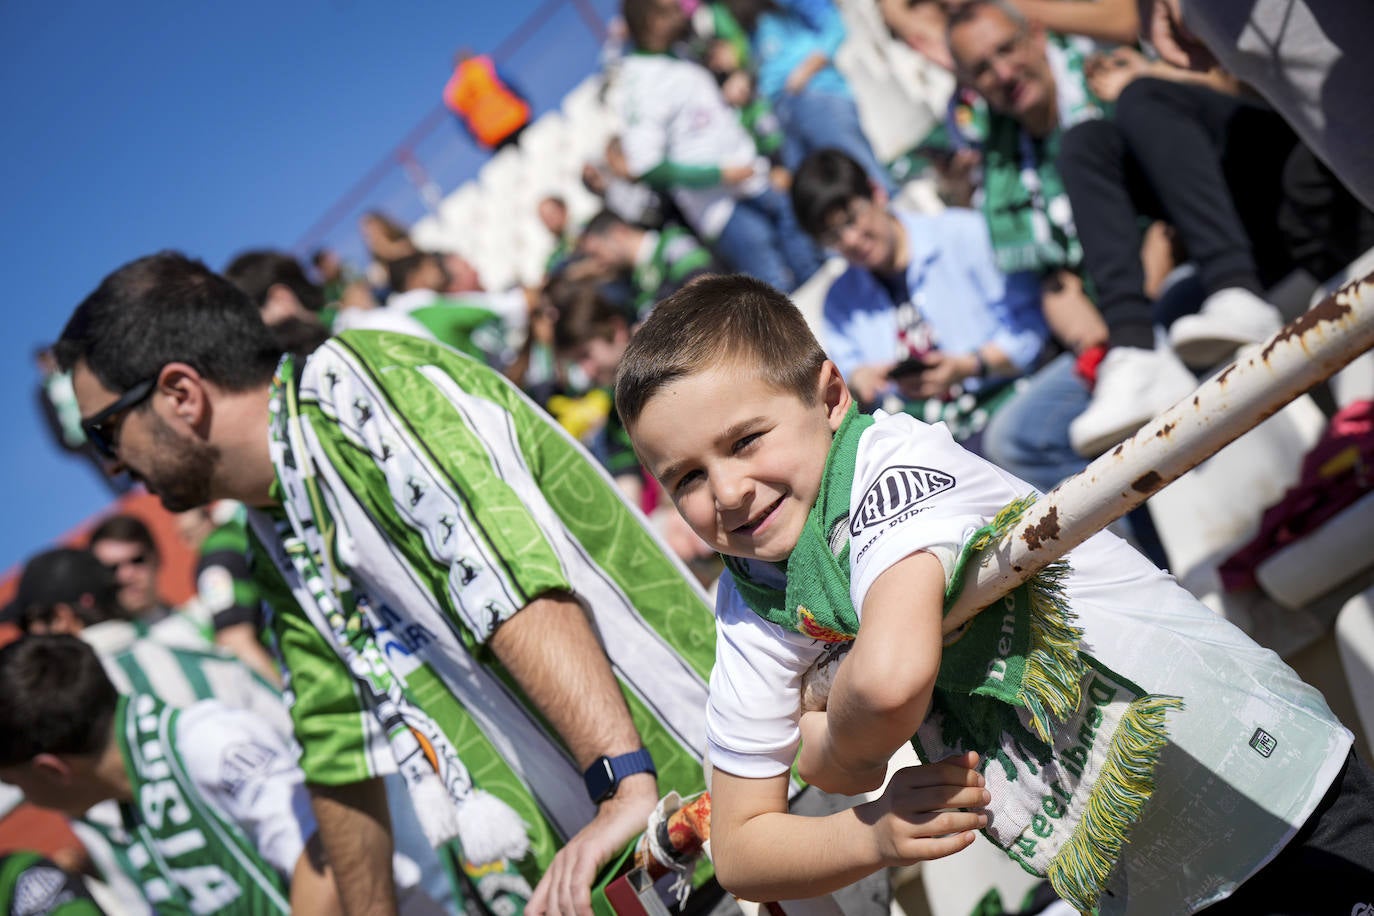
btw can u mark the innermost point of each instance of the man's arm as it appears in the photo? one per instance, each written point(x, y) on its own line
point(313, 890)
point(882, 690)
point(330, 723)
point(755, 843)
point(241, 640)
point(355, 829)
point(553, 653)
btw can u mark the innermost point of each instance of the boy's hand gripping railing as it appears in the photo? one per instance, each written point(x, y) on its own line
point(1233, 401)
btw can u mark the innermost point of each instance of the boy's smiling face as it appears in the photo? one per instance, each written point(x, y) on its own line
point(740, 458)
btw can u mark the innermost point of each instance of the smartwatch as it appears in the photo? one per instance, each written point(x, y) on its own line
point(603, 776)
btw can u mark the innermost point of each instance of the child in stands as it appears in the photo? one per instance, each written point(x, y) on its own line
point(1141, 752)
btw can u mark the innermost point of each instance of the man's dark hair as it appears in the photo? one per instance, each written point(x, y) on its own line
point(299, 336)
point(826, 181)
point(66, 576)
point(636, 14)
point(58, 699)
point(403, 268)
point(256, 272)
point(127, 528)
point(603, 223)
point(719, 320)
point(168, 308)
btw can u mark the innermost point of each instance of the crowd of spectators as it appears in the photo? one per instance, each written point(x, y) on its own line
point(1111, 226)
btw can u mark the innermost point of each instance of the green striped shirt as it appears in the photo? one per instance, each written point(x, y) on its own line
point(191, 815)
point(462, 502)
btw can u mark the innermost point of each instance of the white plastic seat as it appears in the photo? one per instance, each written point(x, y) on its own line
point(1355, 643)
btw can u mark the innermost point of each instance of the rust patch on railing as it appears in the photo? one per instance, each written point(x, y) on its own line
point(1329, 309)
point(1147, 483)
point(1047, 529)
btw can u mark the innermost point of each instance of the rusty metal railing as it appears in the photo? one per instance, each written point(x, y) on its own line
point(1230, 403)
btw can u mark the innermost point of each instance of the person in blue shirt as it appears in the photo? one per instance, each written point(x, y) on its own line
point(923, 322)
point(793, 46)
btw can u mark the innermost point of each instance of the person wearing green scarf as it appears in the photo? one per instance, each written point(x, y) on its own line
point(1119, 727)
point(442, 562)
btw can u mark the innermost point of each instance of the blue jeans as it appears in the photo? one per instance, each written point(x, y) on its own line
point(1029, 435)
point(816, 120)
point(762, 239)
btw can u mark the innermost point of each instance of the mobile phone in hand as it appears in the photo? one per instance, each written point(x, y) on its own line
point(912, 365)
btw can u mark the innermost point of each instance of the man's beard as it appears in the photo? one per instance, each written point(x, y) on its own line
point(183, 468)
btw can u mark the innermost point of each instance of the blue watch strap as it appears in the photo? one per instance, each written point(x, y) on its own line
point(603, 777)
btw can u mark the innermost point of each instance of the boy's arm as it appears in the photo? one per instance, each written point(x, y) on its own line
point(882, 690)
point(761, 852)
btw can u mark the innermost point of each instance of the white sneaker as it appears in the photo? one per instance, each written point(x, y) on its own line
point(1133, 385)
point(1228, 319)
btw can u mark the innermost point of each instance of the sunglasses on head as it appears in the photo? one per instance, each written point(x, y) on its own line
point(102, 429)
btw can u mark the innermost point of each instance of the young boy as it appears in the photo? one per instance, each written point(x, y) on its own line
point(1138, 750)
point(212, 796)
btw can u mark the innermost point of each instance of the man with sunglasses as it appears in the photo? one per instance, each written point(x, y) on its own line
point(124, 545)
point(458, 591)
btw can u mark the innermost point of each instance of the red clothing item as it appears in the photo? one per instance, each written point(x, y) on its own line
point(1337, 471)
point(491, 111)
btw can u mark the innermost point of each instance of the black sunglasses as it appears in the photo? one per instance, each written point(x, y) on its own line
point(102, 428)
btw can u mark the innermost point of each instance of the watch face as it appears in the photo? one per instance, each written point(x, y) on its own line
point(601, 780)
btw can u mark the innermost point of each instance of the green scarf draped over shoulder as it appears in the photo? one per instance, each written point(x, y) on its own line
point(1027, 208)
point(983, 705)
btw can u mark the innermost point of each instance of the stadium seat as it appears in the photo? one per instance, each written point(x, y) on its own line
point(1355, 643)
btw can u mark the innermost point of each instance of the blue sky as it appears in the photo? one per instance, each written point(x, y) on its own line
point(208, 127)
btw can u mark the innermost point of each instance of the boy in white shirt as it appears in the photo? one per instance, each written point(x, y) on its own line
point(1139, 751)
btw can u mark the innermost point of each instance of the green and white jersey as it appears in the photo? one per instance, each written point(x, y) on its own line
point(219, 813)
point(178, 676)
point(181, 676)
point(455, 501)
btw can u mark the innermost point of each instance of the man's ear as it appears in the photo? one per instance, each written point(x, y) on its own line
point(834, 394)
point(186, 389)
point(53, 768)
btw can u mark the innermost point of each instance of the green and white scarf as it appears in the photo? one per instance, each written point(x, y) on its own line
point(306, 547)
point(1014, 685)
point(1027, 209)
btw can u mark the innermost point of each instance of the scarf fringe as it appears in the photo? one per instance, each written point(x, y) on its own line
point(1052, 686)
point(1082, 867)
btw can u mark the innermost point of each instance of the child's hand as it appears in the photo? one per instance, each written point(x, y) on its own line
point(818, 766)
point(917, 817)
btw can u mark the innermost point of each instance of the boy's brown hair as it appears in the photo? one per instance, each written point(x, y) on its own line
point(715, 320)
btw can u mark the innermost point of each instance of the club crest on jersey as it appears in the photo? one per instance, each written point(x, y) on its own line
point(896, 490)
